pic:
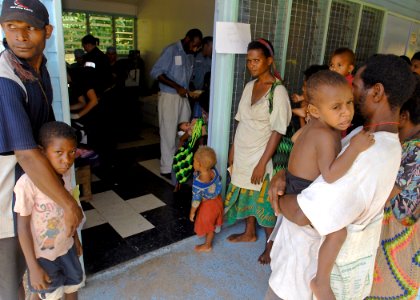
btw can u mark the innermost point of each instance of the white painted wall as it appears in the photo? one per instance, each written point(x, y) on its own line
point(408, 8)
point(396, 35)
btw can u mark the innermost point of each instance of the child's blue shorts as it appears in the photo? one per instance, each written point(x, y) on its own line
point(65, 272)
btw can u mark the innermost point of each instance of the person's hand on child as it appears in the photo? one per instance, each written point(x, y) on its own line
point(300, 112)
point(277, 188)
point(39, 278)
point(362, 141)
point(184, 126)
point(297, 98)
point(258, 173)
point(73, 215)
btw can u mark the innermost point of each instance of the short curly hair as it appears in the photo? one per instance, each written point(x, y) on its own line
point(206, 157)
point(54, 130)
point(413, 104)
point(393, 73)
point(416, 56)
point(347, 52)
point(323, 78)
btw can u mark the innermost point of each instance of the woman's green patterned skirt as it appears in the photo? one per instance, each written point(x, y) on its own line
point(242, 203)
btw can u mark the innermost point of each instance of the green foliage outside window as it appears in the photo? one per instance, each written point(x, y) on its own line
point(111, 30)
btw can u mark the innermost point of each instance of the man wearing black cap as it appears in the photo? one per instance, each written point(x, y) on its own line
point(25, 105)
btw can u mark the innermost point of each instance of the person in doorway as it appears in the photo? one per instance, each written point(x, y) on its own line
point(25, 105)
point(173, 70)
point(54, 269)
point(355, 201)
point(78, 58)
point(98, 64)
point(257, 136)
point(202, 64)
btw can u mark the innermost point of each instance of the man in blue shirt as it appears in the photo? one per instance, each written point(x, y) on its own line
point(202, 64)
point(173, 70)
point(25, 105)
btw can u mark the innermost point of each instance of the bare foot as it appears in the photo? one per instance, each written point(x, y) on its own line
point(241, 237)
point(265, 256)
point(321, 290)
point(202, 248)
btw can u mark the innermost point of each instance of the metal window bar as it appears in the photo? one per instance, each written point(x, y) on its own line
point(77, 24)
point(342, 26)
point(369, 34)
point(263, 17)
point(306, 36)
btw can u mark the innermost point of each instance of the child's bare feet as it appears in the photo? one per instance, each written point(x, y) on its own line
point(265, 256)
point(322, 290)
point(202, 248)
point(241, 237)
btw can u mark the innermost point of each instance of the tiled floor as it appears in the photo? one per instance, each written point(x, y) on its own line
point(133, 211)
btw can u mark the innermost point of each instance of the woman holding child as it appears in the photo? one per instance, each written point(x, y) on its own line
point(257, 135)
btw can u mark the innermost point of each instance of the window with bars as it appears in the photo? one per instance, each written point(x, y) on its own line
point(117, 31)
point(262, 15)
point(307, 25)
point(313, 31)
point(369, 33)
point(342, 26)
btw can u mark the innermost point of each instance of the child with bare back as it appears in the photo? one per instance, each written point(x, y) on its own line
point(330, 105)
point(207, 205)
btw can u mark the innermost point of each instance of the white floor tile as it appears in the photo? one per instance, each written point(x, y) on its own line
point(119, 214)
point(153, 166)
point(93, 218)
point(145, 203)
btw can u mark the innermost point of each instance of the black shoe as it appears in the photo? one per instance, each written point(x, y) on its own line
point(166, 175)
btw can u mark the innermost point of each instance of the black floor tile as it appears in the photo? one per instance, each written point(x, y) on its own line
point(178, 230)
point(86, 205)
point(147, 241)
point(103, 248)
point(100, 186)
point(162, 215)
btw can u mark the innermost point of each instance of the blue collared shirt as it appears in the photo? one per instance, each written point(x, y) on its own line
point(202, 65)
point(176, 65)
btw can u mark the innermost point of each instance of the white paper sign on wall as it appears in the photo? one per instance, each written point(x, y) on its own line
point(232, 37)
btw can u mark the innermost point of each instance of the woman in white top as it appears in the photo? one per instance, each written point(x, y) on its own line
point(257, 136)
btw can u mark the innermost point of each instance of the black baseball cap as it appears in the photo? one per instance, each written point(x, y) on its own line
point(32, 12)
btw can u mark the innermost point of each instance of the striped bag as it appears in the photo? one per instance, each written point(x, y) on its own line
point(281, 156)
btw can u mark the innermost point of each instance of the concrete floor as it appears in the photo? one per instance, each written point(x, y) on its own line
point(230, 271)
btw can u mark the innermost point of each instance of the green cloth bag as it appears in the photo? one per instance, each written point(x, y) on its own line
point(281, 157)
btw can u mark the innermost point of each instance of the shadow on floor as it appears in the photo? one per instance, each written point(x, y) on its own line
point(231, 271)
